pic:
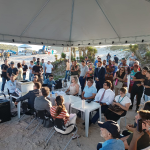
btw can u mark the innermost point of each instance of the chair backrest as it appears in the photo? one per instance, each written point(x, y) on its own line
point(59, 123)
point(41, 114)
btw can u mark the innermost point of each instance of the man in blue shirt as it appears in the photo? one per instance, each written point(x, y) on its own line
point(89, 91)
point(115, 68)
point(110, 132)
point(96, 61)
point(49, 81)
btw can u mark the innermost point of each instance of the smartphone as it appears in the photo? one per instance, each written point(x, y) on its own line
point(139, 125)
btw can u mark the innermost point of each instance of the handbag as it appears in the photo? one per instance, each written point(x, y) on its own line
point(115, 108)
point(118, 85)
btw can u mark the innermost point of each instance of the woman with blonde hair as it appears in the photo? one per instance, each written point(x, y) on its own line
point(20, 72)
point(74, 87)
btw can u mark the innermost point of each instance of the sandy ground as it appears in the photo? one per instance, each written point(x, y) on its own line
point(14, 136)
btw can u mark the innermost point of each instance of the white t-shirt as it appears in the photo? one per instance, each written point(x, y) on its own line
point(125, 100)
point(31, 67)
point(49, 68)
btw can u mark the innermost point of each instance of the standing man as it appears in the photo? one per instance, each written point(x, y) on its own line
point(138, 88)
point(96, 61)
point(67, 70)
point(34, 60)
point(115, 67)
point(74, 70)
point(116, 60)
point(99, 75)
point(48, 69)
point(30, 72)
point(25, 68)
point(104, 63)
point(4, 68)
point(11, 70)
point(132, 59)
point(38, 70)
point(82, 79)
point(43, 65)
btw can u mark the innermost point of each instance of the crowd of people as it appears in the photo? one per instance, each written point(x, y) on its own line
point(103, 82)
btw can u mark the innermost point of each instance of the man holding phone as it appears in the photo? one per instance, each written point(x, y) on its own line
point(143, 126)
point(138, 87)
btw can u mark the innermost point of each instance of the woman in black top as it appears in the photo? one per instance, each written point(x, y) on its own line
point(147, 86)
point(121, 77)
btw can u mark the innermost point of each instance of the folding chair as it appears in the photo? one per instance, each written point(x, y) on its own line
point(60, 127)
point(29, 112)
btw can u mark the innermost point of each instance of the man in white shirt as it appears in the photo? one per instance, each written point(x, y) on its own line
point(82, 79)
point(11, 84)
point(48, 69)
point(104, 97)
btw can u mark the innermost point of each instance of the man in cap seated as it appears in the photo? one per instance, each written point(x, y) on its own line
point(110, 131)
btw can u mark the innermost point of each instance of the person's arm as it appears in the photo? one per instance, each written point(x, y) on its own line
point(136, 136)
point(115, 76)
point(126, 107)
point(22, 98)
point(130, 128)
point(71, 69)
point(134, 79)
point(68, 90)
point(83, 95)
point(8, 75)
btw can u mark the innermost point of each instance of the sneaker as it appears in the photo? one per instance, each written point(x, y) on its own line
point(75, 136)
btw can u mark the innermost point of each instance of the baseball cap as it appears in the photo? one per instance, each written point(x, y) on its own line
point(112, 127)
point(12, 62)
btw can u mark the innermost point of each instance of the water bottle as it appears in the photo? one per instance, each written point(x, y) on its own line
point(53, 88)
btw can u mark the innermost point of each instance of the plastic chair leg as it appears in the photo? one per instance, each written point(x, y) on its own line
point(30, 123)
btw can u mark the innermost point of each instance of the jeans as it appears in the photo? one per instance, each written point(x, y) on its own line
point(43, 76)
point(147, 98)
point(99, 145)
point(67, 72)
point(3, 83)
point(136, 91)
point(47, 75)
point(24, 76)
point(82, 82)
point(31, 76)
point(96, 116)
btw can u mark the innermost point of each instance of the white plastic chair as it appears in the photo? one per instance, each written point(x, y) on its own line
point(120, 119)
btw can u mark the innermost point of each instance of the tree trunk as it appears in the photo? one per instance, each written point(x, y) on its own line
point(80, 51)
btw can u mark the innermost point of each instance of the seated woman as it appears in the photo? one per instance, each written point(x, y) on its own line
point(121, 77)
point(59, 111)
point(74, 87)
point(123, 102)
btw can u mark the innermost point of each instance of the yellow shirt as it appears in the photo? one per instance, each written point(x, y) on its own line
point(68, 66)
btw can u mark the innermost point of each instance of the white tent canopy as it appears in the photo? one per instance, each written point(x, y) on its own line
point(75, 22)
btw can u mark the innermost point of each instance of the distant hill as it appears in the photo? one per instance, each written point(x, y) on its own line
point(10, 47)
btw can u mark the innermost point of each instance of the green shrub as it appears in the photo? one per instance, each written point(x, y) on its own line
point(147, 54)
point(81, 58)
point(63, 55)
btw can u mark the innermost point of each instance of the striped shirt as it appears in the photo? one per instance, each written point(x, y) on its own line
point(63, 115)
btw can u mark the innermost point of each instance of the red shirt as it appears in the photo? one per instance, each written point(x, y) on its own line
point(63, 115)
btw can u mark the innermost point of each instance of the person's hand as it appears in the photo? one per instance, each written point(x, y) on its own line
point(16, 103)
point(142, 80)
point(137, 135)
point(97, 79)
point(83, 77)
point(129, 126)
point(138, 85)
point(142, 83)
